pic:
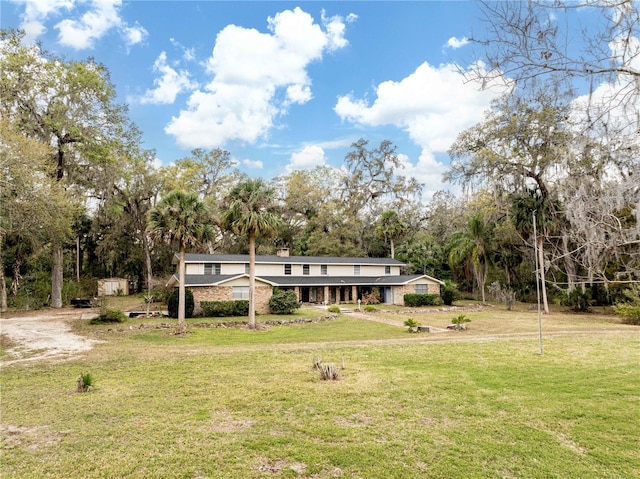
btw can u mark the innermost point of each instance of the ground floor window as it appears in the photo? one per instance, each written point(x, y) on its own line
point(421, 289)
point(240, 292)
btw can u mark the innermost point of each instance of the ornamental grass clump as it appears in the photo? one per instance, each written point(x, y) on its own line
point(328, 371)
point(84, 383)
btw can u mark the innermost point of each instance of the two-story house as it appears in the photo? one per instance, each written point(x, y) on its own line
point(315, 279)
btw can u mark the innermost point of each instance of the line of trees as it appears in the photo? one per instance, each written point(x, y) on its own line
point(81, 199)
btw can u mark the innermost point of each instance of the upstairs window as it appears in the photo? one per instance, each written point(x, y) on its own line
point(387, 270)
point(305, 269)
point(323, 269)
point(246, 268)
point(212, 268)
point(287, 269)
point(356, 270)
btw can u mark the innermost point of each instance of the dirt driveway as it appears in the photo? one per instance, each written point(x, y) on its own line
point(42, 335)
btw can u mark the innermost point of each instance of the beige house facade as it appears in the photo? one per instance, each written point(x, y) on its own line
point(315, 279)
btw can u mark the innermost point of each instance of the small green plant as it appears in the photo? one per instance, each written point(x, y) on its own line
point(411, 323)
point(370, 308)
point(334, 308)
point(109, 316)
point(84, 383)
point(460, 322)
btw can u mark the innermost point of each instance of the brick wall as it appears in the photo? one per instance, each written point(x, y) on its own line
point(225, 293)
point(432, 288)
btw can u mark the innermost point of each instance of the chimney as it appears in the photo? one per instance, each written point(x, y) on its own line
point(283, 252)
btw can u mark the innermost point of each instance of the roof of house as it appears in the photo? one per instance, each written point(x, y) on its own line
point(275, 259)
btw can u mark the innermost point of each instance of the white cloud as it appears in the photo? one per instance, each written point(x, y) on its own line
point(306, 159)
point(92, 25)
point(78, 30)
point(256, 164)
point(134, 35)
point(455, 43)
point(250, 70)
point(335, 27)
point(427, 171)
point(36, 13)
point(432, 104)
point(169, 85)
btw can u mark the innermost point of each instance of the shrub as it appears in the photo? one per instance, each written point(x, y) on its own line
point(334, 308)
point(412, 324)
point(172, 304)
point(283, 301)
point(84, 382)
point(372, 298)
point(448, 293)
point(369, 308)
point(416, 299)
point(109, 316)
point(630, 313)
point(460, 321)
point(578, 300)
point(221, 309)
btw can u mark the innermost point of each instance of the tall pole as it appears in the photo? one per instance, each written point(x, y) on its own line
point(535, 249)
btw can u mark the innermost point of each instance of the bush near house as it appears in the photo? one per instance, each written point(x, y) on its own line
point(221, 309)
point(283, 301)
point(415, 299)
point(172, 304)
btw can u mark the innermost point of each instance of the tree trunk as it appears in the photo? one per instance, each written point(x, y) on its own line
point(148, 273)
point(393, 251)
point(252, 281)
point(543, 283)
point(182, 324)
point(15, 281)
point(3, 286)
point(57, 277)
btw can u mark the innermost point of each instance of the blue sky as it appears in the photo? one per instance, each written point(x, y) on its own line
point(280, 85)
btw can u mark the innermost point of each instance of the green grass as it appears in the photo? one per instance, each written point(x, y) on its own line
point(227, 403)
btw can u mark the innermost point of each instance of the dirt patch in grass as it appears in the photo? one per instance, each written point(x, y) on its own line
point(41, 335)
point(29, 438)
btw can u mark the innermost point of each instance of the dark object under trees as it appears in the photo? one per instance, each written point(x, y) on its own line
point(173, 300)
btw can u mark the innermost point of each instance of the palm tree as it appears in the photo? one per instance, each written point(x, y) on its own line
point(390, 227)
point(473, 245)
point(180, 217)
point(250, 211)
